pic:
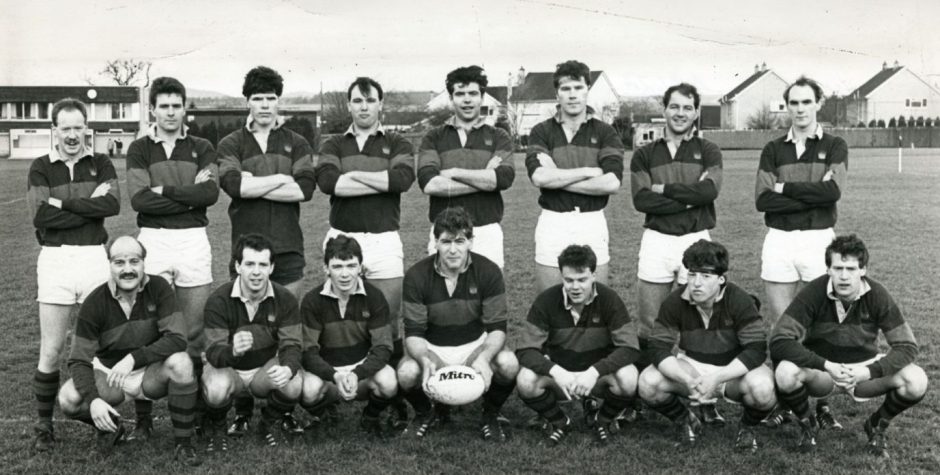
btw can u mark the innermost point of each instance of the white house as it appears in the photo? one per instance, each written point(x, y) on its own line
point(892, 92)
point(762, 89)
point(533, 99)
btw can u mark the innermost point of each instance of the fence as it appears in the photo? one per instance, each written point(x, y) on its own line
point(920, 137)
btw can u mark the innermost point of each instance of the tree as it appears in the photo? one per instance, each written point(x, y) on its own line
point(902, 122)
point(336, 118)
point(763, 119)
point(936, 121)
point(127, 71)
point(624, 128)
point(861, 124)
point(920, 121)
point(873, 124)
point(893, 122)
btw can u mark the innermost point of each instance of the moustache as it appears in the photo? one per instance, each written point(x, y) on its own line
point(128, 275)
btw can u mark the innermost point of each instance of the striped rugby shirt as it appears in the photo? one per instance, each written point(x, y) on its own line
point(477, 305)
point(183, 203)
point(152, 331)
point(441, 149)
point(383, 151)
point(361, 334)
point(275, 328)
point(80, 220)
point(733, 331)
point(807, 202)
point(604, 336)
point(596, 144)
point(687, 203)
point(287, 153)
point(817, 327)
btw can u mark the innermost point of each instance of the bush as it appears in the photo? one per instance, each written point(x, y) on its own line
point(893, 122)
point(860, 125)
point(902, 122)
point(881, 123)
point(873, 124)
point(920, 121)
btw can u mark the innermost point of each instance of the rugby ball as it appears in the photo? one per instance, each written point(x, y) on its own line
point(455, 385)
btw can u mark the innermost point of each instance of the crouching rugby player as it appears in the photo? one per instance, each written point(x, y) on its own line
point(826, 342)
point(578, 341)
point(253, 343)
point(347, 337)
point(130, 344)
point(722, 349)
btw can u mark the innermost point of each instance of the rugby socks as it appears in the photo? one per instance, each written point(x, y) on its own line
point(181, 403)
point(277, 406)
point(143, 408)
point(216, 415)
point(45, 386)
point(330, 397)
point(613, 405)
point(200, 406)
point(497, 395)
point(672, 408)
point(418, 400)
point(797, 401)
point(547, 406)
point(893, 405)
point(753, 416)
point(375, 406)
point(244, 405)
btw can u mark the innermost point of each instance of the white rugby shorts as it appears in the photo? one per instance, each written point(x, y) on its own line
point(487, 242)
point(67, 274)
point(382, 253)
point(181, 256)
point(133, 386)
point(660, 258)
point(556, 231)
point(791, 256)
point(456, 355)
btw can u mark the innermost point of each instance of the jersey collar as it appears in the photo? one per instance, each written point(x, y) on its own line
point(237, 291)
point(54, 155)
point(817, 134)
point(152, 133)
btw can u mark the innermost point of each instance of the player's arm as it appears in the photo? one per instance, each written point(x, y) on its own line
point(705, 190)
point(645, 200)
point(302, 181)
point(543, 172)
point(104, 205)
point(219, 349)
point(897, 333)
point(623, 335)
point(664, 335)
point(140, 186)
point(84, 349)
point(233, 179)
point(752, 335)
point(610, 161)
point(312, 329)
point(786, 338)
point(380, 333)
point(204, 191)
point(170, 325)
point(45, 215)
point(401, 172)
point(829, 189)
point(289, 334)
point(606, 184)
point(415, 318)
point(430, 180)
point(767, 198)
point(533, 334)
point(330, 177)
point(492, 290)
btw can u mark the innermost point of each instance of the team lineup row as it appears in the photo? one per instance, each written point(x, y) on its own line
point(575, 160)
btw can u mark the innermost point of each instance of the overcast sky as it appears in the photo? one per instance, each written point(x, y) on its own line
point(643, 45)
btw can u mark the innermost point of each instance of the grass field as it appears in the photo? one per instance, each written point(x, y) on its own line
point(898, 215)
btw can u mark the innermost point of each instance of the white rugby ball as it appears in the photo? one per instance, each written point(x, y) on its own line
point(455, 385)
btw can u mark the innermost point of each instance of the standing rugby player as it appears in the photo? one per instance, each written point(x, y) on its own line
point(467, 163)
point(577, 162)
point(71, 191)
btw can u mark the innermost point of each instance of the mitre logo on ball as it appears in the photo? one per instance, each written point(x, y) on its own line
point(455, 385)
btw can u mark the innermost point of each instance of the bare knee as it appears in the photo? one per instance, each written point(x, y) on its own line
point(312, 389)
point(527, 383)
point(626, 380)
point(385, 382)
point(217, 388)
point(179, 368)
point(758, 388)
point(293, 388)
point(787, 376)
point(408, 373)
point(507, 365)
point(651, 385)
point(914, 382)
point(70, 401)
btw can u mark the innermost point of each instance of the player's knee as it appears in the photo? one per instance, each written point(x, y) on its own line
point(507, 365)
point(914, 380)
point(70, 401)
point(312, 388)
point(651, 384)
point(408, 373)
point(386, 382)
point(179, 368)
point(787, 376)
point(216, 389)
point(626, 380)
point(527, 383)
point(759, 387)
point(292, 389)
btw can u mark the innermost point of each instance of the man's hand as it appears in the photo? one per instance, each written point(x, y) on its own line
point(482, 367)
point(827, 176)
point(858, 373)
point(658, 188)
point(704, 175)
point(495, 162)
point(584, 382)
point(839, 373)
point(545, 160)
point(120, 371)
point(247, 174)
point(241, 343)
point(101, 190)
point(564, 379)
point(778, 188)
point(203, 176)
point(279, 375)
point(447, 173)
point(703, 387)
point(428, 366)
point(157, 189)
point(101, 413)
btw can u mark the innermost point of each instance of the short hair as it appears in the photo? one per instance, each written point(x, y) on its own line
point(703, 254)
point(804, 81)
point(68, 104)
point(848, 245)
point(261, 80)
point(466, 75)
point(454, 220)
point(166, 85)
point(143, 249)
point(686, 90)
point(578, 257)
point(365, 85)
point(572, 69)
point(341, 247)
point(254, 241)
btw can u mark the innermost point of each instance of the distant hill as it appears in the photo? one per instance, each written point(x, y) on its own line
point(204, 93)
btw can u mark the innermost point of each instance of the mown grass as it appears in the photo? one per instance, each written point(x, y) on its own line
point(898, 215)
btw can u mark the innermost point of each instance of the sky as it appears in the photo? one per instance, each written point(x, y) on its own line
point(644, 46)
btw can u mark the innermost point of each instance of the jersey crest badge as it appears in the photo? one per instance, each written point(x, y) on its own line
point(271, 318)
point(93, 172)
point(488, 142)
point(287, 149)
point(366, 314)
point(473, 290)
point(195, 155)
point(697, 156)
point(386, 150)
point(151, 307)
point(593, 140)
point(821, 155)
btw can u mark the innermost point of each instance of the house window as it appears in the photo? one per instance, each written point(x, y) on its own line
point(778, 106)
point(117, 111)
point(4, 110)
point(915, 104)
point(43, 109)
point(485, 110)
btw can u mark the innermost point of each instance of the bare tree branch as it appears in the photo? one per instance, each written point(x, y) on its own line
point(127, 71)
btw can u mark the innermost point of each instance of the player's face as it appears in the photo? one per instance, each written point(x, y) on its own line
point(453, 250)
point(255, 270)
point(846, 275)
point(127, 268)
point(704, 286)
point(802, 106)
point(169, 111)
point(680, 114)
point(263, 108)
point(365, 109)
point(344, 274)
point(467, 100)
point(577, 283)
point(70, 132)
point(572, 95)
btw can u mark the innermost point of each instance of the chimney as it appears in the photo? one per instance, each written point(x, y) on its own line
point(884, 65)
point(509, 85)
point(896, 64)
point(756, 68)
point(520, 77)
point(763, 66)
